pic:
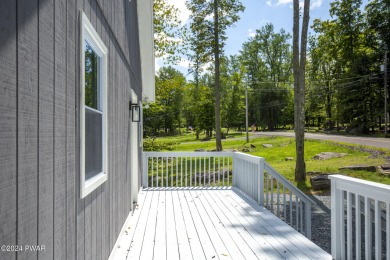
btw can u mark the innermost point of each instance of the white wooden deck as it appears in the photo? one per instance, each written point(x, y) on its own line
point(208, 224)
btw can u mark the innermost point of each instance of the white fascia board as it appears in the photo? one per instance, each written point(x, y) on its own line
point(146, 43)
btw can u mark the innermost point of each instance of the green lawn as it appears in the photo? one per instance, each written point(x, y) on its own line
point(285, 147)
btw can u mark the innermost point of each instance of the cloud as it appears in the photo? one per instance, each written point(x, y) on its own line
point(251, 33)
point(284, 2)
point(315, 4)
point(269, 3)
point(184, 13)
point(184, 63)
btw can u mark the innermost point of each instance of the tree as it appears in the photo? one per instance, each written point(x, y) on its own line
point(166, 111)
point(299, 63)
point(267, 60)
point(167, 30)
point(212, 40)
point(233, 107)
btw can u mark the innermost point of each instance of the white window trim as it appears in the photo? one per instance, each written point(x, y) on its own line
point(88, 33)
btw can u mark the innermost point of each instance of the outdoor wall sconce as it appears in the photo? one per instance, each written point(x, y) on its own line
point(135, 112)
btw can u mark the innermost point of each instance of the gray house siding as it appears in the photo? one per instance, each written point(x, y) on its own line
point(39, 127)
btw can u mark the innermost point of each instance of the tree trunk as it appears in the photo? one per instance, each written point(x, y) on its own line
point(299, 63)
point(217, 83)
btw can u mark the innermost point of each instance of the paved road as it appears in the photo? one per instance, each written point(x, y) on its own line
point(369, 141)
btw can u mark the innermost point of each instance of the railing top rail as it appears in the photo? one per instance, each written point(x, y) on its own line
point(188, 154)
point(285, 182)
point(360, 182)
point(248, 157)
point(362, 187)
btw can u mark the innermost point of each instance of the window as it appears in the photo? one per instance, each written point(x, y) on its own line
point(93, 112)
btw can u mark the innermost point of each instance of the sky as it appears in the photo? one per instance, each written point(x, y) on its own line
point(257, 13)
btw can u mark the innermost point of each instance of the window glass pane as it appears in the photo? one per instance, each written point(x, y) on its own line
point(91, 77)
point(93, 143)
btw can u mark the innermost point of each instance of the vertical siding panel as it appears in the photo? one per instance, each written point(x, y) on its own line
point(123, 146)
point(60, 131)
point(99, 210)
point(80, 210)
point(94, 211)
point(70, 133)
point(88, 200)
point(115, 153)
point(27, 222)
point(106, 186)
point(93, 224)
point(88, 227)
point(8, 123)
point(46, 137)
point(112, 132)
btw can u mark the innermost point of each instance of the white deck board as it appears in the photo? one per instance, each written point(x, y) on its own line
point(255, 246)
point(160, 243)
point(236, 246)
point(259, 232)
point(181, 231)
point(193, 238)
point(295, 242)
point(212, 224)
point(220, 238)
point(209, 229)
point(172, 242)
point(150, 231)
point(138, 231)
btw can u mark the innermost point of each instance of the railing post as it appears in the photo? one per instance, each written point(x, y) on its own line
point(336, 226)
point(145, 170)
point(261, 182)
point(234, 171)
point(308, 219)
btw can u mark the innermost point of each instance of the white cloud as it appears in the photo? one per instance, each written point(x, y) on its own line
point(184, 13)
point(269, 3)
point(207, 65)
point(284, 2)
point(251, 33)
point(184, 63)
point(209, 17)
point(316, 4)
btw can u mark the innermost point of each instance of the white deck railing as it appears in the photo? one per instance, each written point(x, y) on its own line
point(251, 174)
point(360, 219)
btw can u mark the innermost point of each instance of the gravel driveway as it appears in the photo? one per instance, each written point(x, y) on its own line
point(321, 221)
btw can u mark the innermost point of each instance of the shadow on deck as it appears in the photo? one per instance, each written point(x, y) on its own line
point(208, 223)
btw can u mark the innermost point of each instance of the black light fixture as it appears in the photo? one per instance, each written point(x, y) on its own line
point(135, 112)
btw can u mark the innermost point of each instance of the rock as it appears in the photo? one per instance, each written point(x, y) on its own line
point(320, 182)
point(200, 150)
point(385, 166)
point(289, 158)
point(228, 150)
point(384, 169)
point(328, 155)
point(253, 146)
point(357, 167)
point(245, 150)
point(267, 145)
point(314, 173)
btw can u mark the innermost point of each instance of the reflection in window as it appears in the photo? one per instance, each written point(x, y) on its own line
point(91, 78)
point(93, 114)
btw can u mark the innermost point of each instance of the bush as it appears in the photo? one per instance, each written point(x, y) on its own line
point(150, 145)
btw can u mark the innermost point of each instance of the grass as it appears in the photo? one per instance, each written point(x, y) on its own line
point(283, 147)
